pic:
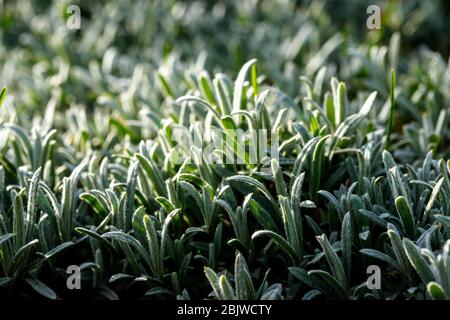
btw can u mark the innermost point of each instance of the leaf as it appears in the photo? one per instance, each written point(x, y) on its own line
point(165, 231)
point(244, 284)
point(130, 192)
point(330, 281)
point(311, 281)
point(437, 188)
point(406, 216)
point(153, 174)
point(263, 217)
point(445, 220)
point(214, 282)
point(296, 192)
point(58, 249)
point(334, 202)
point(303, 155)
point(274, 292)
point(373, 217)
point(380, 256)
point(58, 214)
point(3, 95)
point(158, 291)
point(222, 95)
point(346, 236)
point(226, 288)
point(253, 183)
point(206, 88)
point(4, 281)
point(21, 254)
point(5, 237)
point(278, 177)
point(418, 261)
point(153, 244)
point(317, 165)
point(41, 288)
point(399, 251)
point(32, 205)
point(97, 237)
point(239, 83)
point(435, 291)
point(292, 226)
point(333, 260)
point(165, 85)
point(340, 101)
point(118, 235)
point(202, 103)
point(280, 241)
point(367, 106)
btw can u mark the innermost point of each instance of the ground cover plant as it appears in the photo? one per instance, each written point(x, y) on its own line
point(357, 173)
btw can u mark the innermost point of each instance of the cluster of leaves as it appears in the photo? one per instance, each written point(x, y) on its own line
point(90, 175)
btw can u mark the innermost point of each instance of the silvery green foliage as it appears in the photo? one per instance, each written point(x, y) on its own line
point(90, 173)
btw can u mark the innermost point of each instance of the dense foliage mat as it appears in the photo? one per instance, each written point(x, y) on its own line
point(91, 174)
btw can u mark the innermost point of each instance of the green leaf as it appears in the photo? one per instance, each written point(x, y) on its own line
point(213, 279)
point(5, 237)
point(153, 174)
point(313, 281)
point(262, 216)
point(317, 165)
point(4, 281)
point(15, 264)
point(58, 249)
point(23, 139)
point(18, 222)
point(292, 225)
point(243, 280)
point(58, 214)
point(226, 288)
point(346, 236)
point(330, 281)
point(153, 245)
point(202, 103)
point(434, 194)
point(32, 205)
point(278, 177)
point(130, 192)
point(435, 291)
point(280, 241)
point(239, 83)
point(41, 288)
point(399, 251)
point(367, 106)
point(3, 95)
point(120, 236)
point(418, 261)
point(333, 260)
point(373, 217)
point(334, 202)
point(406, 216)
point(380, 256)
point(340, 103)
point(97, 237)
point(253, 183)
point(296, 193)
